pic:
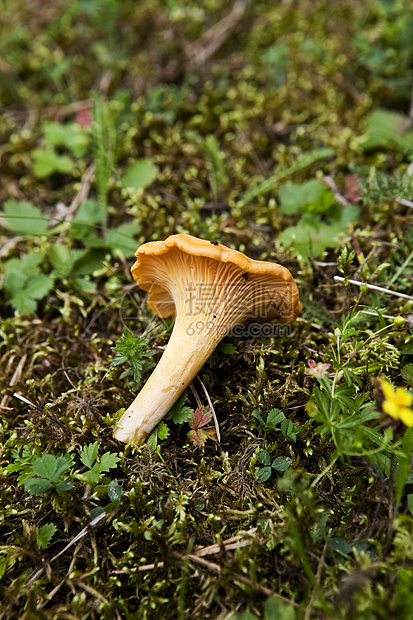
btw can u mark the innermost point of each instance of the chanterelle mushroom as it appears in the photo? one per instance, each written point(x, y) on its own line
point(208, 289)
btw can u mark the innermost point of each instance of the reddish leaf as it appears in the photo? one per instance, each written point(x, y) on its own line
point(84, 118)
point(198, 438)
point(200, 417)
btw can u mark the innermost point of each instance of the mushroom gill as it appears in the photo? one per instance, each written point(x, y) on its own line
point(208, 289)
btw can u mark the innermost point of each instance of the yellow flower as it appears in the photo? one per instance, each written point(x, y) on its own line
point(397, 402)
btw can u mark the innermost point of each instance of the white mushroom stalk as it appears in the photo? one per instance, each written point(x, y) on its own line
point(208, 289)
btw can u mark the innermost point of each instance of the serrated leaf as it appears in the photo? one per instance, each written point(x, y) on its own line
point(407, 373)
point(71, 135)
point(198, 437)
point(281, 463)
point(47, 162)
point(14, 281)
point(93, 475)
point(19, 270)
point(388, 129)
point(312, 196)
point(24, 218)
point(45, 534)
point(227, 348)
point(63, 259)
point(182, 415)
point(140, 174)
point(200, 417)
point(163, 431)
point(37, 486)
point(114, 491)
point(108, 461)
point(89, 454)
point(45, 466)
point(263, 474)
point(306, 238)
point(23, 304)
point(38, 286)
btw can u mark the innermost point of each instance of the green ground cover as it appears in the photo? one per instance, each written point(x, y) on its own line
point(283, 130)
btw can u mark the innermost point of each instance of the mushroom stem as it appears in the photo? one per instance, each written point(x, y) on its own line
point(181, 361)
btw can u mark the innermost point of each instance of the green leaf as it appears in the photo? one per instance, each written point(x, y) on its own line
point(311, 197)
point(198, 437)
point(281, 463)
point(276, 609)
point(24, 218)
point(45, 534)
point(23, 304)
point(407, 373)
point(163, 430)
point(89, 262)
point(182, 415)
point(388, 129)
point(287, 429)
point(63, 259)
point(274, 417)
point(15, 279)
point(24, 300)
point(264, 458)
point(263, 474)
point(152, 440)
point(140, 174)
point(340, 545)
point(316, 238)
point(227, 348)
point(72, 136)
point(88, 216)
point(108, 461)
point(45, 466)
point(38, 286)
point(302, 161)
point(256, 414)
point(5, 561)
point(37, 486)
point(410, 502)
point(114, 491)
point(47, 162)
point(64, 486)
point(404, 466)
point(95, 512)
point(62, 466)
point(89, 454)
point(121, 238)
point(93, 475)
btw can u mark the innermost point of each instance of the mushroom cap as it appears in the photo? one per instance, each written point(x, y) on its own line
point(262, 290)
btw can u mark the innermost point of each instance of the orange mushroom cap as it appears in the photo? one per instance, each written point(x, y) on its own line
point(262, 290)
